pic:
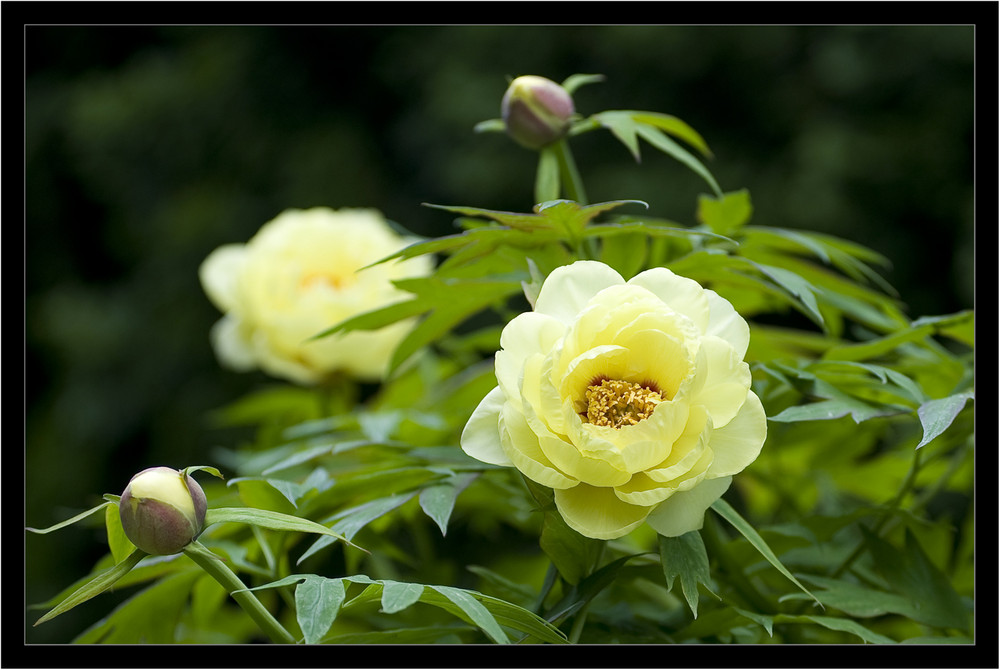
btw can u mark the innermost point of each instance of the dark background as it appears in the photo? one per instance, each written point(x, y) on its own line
point(147, 147)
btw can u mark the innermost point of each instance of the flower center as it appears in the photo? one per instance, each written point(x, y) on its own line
point(330, 279)
point(618, 403)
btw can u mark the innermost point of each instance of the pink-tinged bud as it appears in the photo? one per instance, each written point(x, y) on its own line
point(536, 111)
point(162, 510)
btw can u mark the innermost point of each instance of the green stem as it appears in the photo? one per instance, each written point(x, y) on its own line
point(246, 599)
point(886, 516)
point(568, 174)
point(581, 617)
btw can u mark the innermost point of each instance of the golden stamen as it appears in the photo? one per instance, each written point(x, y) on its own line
point(617, 403)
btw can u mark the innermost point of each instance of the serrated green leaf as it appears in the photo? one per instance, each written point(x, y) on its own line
point(937, 415)
point(685, 557)
point(725, 510)
point(96, 586)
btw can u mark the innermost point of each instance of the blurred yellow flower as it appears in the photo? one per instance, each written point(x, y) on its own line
point(630, 399)
point(299, 276)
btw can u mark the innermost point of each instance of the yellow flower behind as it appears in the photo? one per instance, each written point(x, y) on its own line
point(630, 399)
point(299, 276)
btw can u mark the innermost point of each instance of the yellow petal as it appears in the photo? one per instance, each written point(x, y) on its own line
point(231, 344)
point(597, 512)
point(655, 356)
point(725, 322)
point(481, 435)
point(603, 362)
point(568, 289)
point(219, 274)
point(681, 294)
point(521, 445)
point(721, 380)
point(738, 443)
point(685, 511)
point(687, 450)
point(591, 460)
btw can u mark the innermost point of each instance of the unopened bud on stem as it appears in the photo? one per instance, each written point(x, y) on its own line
point(536, 111)
point(162, 510)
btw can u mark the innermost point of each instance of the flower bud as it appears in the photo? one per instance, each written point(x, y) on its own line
point(536, 111)
point(162, 510)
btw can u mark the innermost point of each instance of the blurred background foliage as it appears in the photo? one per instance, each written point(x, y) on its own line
point(147, 147)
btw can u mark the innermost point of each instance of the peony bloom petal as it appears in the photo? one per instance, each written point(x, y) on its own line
point(481, 435)
point(233, 348)
point(299, 275)
point(722, 380)
point(597, 512)
point(681, 294)
point(725, 322)
point(738, 443)
point(522, 447)
point(568, 289)
point(219, 275)
point(685, 511)
point(631, 400)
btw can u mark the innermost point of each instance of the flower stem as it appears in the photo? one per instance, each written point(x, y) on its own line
point(246, 599)
point(568, 174)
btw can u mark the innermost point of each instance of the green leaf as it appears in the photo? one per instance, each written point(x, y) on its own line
point(397, 596)
point(317, 602)
point(575, 81)
point(96, 586)
point(490, 126)
point(151, 616)
point(118, 543)
point(658, 139)
point(572, 553)
point(798, 287)
point(936, 415)
point(438, 501)
point(911, 574)
point(673, 126)
point(857, 600)
point(725, 215)
point(685, 556)
point(268, 519)
point(746, 530)
point(838, 624)
point(70, 521)
point(191, 469)
point(475, 611)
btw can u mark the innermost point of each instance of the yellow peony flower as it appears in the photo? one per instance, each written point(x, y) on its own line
point(630, 399)
point(299, 276)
